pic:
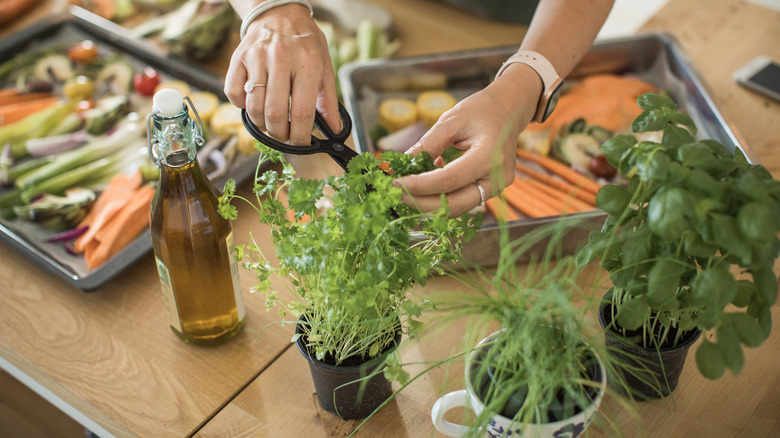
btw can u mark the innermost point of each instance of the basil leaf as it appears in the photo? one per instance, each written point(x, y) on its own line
point(633, 313)
point(766, 283)
point(613, 199)
point(652, 120)
point(675, 135)
point(694, 245)
point(709, 360)
point(655, 169)
point(747, 328)
point(714, 286)
point(616, 147)
point(653, 100)
point(730, 348)
point(637, 248)
point(757, 222)
point(727, 236)
point(663, 280)
point(744, 294)
point(669, 211)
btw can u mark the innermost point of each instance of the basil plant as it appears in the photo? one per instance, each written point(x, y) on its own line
point(690, 241)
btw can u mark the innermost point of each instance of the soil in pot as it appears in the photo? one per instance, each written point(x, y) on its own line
point(647, 373)
point(339, 387)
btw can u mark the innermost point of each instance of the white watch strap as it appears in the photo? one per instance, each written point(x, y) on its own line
point(536, 61)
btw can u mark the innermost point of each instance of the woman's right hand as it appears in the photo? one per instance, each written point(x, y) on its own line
point(284, 52)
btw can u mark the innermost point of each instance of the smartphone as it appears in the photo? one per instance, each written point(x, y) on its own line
point(762, 75)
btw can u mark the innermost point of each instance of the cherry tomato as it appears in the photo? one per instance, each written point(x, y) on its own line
point(600, 167)
point(146, 81)
point(83, 52)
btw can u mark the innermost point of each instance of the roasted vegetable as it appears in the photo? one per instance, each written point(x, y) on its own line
point(397, 113)
point(205, 33)
point(194, 30)
point(55, 66)
point(577, 143)
point(105, 114)
point(57, 213)
point(117, 75)
point(432, 104)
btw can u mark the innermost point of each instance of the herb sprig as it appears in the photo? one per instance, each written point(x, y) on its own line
point(350, 267)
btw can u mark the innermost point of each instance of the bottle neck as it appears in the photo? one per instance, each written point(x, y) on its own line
point(174, 141)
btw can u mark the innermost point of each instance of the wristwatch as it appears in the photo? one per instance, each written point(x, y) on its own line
point(552, 82)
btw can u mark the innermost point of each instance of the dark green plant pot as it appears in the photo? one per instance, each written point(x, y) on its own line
point(646, 373)
point(339, 389)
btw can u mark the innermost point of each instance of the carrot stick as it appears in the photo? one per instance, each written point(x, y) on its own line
point(566, 198)
point(123, 228)
point(561, 170)
point(501, 210)
point(561, 206)
point(11, 96)
point(17, 111)
point(120, 187)
point(103, 217)
point(583, 194)
point(526, 204)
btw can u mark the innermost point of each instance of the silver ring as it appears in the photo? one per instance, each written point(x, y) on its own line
point(249, 86)
point(482, 196)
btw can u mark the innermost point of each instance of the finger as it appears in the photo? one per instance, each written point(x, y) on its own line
point(302, 106)
point(328, 103)
point(235, 78)
point(435, 141)
point(454, 175)
point(460, 200)
point(277, 102)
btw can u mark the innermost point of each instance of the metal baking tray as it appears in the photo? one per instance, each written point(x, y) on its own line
point(29, 239)
point(654, 57)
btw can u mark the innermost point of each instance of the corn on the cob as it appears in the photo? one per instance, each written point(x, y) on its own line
point(432, 104)
point(395, 114)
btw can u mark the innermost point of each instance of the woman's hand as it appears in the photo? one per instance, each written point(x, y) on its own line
point(485, 125)
point(286, 54)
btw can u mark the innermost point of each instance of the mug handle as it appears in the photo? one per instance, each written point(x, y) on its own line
point(444, 404)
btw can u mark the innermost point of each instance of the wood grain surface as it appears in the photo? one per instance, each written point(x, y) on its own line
point(110, 353)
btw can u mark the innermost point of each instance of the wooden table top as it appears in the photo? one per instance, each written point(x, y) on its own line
point(110, 355)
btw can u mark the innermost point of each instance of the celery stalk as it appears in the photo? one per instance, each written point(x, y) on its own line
point(80, 176)
point(25, 167)
point(367, 36)
point(101, 147)
point(33, 126)
point(10, 198)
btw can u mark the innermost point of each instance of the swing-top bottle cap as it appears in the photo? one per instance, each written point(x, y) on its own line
point(167, 102)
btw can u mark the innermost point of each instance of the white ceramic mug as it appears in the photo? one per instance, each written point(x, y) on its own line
point(501, 426)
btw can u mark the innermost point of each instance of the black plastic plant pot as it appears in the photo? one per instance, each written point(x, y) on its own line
point(643, 373)
point(340, 389)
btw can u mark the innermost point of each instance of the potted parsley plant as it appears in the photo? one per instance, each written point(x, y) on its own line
point(348, 268)
point(692, 215)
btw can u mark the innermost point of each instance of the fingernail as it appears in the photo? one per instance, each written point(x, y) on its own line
point(397, 183)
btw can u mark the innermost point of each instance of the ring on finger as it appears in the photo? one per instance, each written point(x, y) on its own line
point(249, 86)
point(482, 195)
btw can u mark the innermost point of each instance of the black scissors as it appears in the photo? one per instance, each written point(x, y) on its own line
point(332, 144)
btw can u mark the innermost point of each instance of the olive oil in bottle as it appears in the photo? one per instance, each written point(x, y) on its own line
point(193, 244)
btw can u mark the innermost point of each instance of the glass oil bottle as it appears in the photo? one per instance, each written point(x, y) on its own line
point(193, 244)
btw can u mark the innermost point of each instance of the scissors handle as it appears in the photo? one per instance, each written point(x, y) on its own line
point(332, 144)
